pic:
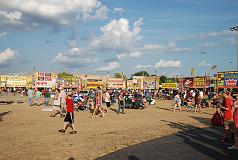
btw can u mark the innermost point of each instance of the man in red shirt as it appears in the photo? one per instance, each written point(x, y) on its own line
point(227, 112)
point(69, 118)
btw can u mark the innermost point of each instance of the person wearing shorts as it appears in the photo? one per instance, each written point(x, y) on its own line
point(69, 118)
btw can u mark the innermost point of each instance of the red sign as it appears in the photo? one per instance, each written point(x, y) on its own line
point(188, 82)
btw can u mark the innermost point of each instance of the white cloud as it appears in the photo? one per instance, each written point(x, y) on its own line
point(75, 56)
point(118, 10)
point(118, 35)
point(170, 47)
point(111, 66)
point(121, 56)
point(2, 34)
point(168, 64)
point(56, 13)
point(223, 33)
point(204, 63)
point(7, 56)
point(208, 45)
point(135, 54)
point(142, 66)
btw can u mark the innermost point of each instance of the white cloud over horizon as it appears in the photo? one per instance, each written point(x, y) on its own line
point(168, 64)
point(7, 56)
point(110, 67)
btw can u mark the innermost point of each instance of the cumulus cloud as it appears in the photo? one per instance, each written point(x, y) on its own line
point(143, 66)
point(75, 56)
point(168, 64)
point(7, 56)
point(118, 35)
point(118, 10)
point(208, 45)
point(58, 13)
point(111, 66)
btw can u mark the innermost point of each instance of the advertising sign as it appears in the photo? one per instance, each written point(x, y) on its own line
point(227, 79)
point(188, 82)
point(169, 85)
point(199, 82)
point(231, 79)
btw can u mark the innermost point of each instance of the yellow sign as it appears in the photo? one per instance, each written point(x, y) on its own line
point(170, 85)
point(199, 81)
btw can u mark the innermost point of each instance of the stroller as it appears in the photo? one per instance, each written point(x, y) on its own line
point(128, 102)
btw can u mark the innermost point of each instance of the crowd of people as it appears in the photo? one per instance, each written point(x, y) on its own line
point(93, 100)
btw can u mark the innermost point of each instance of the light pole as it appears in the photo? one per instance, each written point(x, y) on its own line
point(236, 30)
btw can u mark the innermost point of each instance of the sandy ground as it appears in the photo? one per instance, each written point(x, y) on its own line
point(28, 133)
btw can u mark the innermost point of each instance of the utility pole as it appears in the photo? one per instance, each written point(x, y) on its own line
point(235, 29)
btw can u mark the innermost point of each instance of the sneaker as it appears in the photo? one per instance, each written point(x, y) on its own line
point(62, 130)
point(232, 147)
point(73, 132)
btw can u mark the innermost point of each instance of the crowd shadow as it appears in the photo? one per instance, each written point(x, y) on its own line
point(114, 110)
point(3, 114)
point(190, 142)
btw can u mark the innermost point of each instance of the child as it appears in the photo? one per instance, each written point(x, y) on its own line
point(69, 118)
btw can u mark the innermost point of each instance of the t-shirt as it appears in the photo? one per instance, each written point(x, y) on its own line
point(69, 103)
point(107, 97)
point(62, 96)
point(227, 113)
point(38, 94)
point(30, 93)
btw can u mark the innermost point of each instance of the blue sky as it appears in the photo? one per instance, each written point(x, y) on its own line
point(100, 36)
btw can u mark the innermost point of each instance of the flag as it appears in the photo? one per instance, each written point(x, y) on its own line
point(213, 67)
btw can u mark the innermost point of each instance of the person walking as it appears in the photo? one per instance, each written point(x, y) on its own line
point(98, 104)
point(177, 100)
point(38, 97)
point(69, 118)
point(235, 118)
point(227, 115)
point(107, 99)
point(198, 102)
point(121, 104)
point(56, 106)
point(30, 94)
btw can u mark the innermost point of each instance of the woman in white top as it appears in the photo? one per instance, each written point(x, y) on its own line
point(177, 102)
point(107, 99)
point(56, 106)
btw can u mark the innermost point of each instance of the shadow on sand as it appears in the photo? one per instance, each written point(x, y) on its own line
point(190, 143)
point(3, 114)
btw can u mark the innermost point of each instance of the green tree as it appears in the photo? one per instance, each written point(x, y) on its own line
point(64, 75)
point(118, 75)
point(162, 79)
point(141, 73)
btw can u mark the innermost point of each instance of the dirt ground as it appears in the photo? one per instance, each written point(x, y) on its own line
point(28, 133)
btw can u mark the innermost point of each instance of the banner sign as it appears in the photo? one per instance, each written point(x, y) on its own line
point(199, 82)
point(169, 85)
point(188, 82)
point(227, 79)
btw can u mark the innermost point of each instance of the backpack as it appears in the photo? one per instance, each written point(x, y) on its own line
point(217, 119)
